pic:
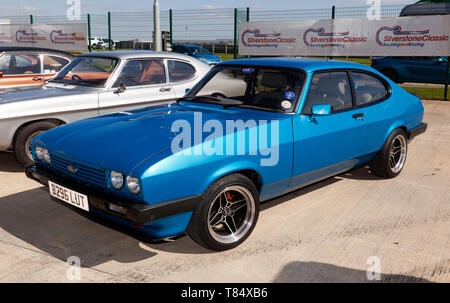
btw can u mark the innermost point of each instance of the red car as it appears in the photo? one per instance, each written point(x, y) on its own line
point(25, 66)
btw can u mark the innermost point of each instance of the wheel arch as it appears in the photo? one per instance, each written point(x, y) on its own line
point(58, 122)
point(390, 68)
point(394, 126)
point(249, 172)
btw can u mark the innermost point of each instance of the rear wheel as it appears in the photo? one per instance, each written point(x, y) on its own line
point(390, 160)
point(227, 214)
point(22, 143)
point(391, 74)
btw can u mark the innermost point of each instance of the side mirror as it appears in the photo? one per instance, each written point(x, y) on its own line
point(122, 88)
point(1, 74)
point(321, 109)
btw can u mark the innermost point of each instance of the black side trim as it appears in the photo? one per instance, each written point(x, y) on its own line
point(418, 130)
point(137, 211)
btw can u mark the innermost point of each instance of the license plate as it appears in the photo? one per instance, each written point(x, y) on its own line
point(69, 196)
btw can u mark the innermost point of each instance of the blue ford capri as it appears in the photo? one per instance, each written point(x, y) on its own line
point(249, 131)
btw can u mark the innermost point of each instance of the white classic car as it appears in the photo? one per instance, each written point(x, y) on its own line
point(93, 84)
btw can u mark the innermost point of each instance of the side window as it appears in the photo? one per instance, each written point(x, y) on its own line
point(142, 72)
point(329, 88)
point(26, 64)
point(5, 61)
point(368, 88)
point(179, 71)
point(53, 64)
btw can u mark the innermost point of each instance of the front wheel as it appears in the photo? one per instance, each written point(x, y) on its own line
point(390, 160)
point(22, 143)
point(227, 214)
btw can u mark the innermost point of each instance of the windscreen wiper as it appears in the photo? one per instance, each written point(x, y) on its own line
point(225, 102)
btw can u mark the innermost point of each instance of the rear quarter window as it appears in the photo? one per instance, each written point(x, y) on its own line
point(368, 88)
point(180, 71)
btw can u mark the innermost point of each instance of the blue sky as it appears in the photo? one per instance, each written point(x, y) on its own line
point(59, 7)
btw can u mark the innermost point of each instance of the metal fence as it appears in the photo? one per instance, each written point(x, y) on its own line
point(215, 29)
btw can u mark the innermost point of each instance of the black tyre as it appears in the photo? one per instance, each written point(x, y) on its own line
point(390, 160)
point(227, 213)
point(22, 149)
point(391, 74)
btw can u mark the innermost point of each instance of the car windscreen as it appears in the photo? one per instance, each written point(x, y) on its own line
point(198, 50)
point(90, 71)
point(264, 88)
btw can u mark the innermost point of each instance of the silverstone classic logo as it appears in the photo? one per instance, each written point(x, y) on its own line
point(59, 37)
point(395, 36)
point(319, 37)
point(5, 37)
point(23, 36)
point(254, 38)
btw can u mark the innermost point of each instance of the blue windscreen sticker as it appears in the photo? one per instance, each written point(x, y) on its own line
point(289, 95)
point(248, 70)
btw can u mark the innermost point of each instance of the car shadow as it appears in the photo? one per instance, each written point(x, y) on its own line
point(314, 272)
point(8, 163)
point(34, 218)
point(361, 173)
point(55, 229)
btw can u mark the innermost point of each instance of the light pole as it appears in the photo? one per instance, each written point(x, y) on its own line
point(156, 28)
point(20, 10)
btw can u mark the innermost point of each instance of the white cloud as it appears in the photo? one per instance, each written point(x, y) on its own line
point(30, 8)
point(210, 6)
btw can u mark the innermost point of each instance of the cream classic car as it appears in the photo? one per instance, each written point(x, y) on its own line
point(93, 84)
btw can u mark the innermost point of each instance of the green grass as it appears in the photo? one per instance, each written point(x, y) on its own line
point(427, 93)
point(225, 57)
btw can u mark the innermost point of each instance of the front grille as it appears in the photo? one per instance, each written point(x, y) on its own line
point(84, 173)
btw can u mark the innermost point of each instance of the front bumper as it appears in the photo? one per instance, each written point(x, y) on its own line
point(137, 212)
point(417, 131)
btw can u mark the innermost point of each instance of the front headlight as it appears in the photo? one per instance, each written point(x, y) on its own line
point(42, 154)
point(39, 153)
point(116, 179)
point(133, 185)
point(46, 156)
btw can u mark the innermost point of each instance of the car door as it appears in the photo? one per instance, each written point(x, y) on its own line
point(372, 97)
point(325, 145)
point(145, 82)
point(21, 69)
point(429, 69)
point(182, 76)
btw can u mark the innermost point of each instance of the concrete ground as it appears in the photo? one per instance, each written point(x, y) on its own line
point(332, 231)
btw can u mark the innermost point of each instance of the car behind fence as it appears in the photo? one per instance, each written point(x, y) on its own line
point(216, 30)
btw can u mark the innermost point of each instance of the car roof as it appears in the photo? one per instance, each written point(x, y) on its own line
point(426, 8)
point(30, 48)
point(133, 54)
point(188, 45)
point(300, 63)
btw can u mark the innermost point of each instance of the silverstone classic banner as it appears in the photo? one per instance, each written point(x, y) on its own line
point(56, 36)
point(400, 36)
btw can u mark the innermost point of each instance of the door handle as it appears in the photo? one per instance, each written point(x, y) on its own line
point(38, 78)
point(358, 116)
point(164, 89)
